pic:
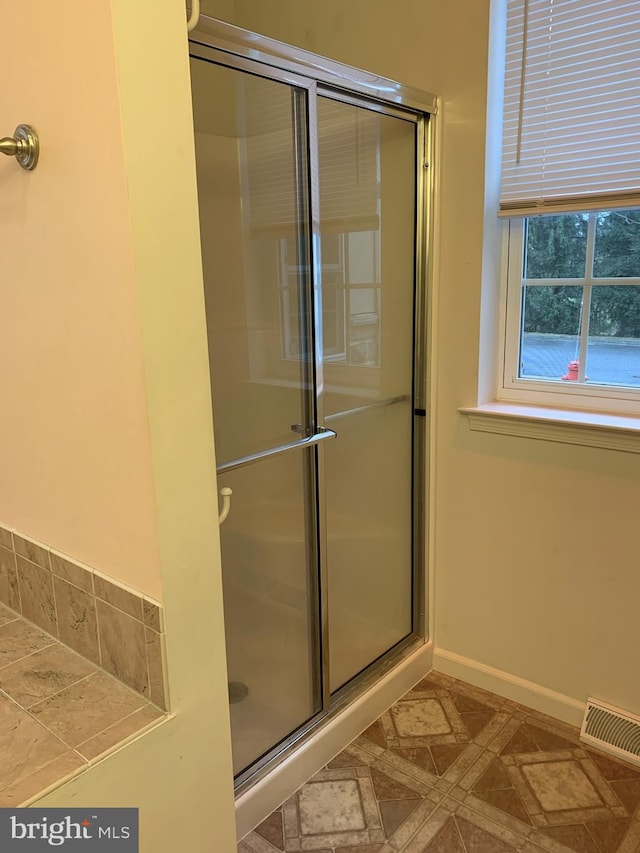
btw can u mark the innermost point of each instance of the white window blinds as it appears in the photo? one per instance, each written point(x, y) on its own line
point(571, 137)
point(348, 151)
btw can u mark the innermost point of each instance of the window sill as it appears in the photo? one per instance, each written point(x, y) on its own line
point(568, 426)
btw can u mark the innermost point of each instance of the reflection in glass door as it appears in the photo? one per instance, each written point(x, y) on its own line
point(367, 185)
point(308, 204)
point(251, 139)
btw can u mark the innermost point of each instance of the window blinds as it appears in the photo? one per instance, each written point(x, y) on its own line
point(348, 146)
point(571, 133)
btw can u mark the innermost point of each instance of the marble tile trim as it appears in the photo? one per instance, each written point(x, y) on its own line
point(87, 611)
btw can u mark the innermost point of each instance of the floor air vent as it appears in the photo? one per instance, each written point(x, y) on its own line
point(612, 730)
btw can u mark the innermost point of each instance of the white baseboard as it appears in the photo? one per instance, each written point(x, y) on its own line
point(271, 791)
point(510, 686)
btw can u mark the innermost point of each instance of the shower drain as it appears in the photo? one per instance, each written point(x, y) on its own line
point(237, 692)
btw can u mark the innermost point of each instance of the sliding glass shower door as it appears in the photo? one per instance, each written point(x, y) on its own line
point(308, 226)
point(367, 181)
point(251, 143)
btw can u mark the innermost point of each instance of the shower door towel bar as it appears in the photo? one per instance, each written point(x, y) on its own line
point(322, 435)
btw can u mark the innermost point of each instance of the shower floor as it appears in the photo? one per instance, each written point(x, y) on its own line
point(268, 651)
point(451, 768)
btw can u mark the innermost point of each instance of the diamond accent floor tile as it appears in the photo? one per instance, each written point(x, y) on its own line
point(325, 807)
point(437, 729)
point(450, 768)
point(336, 807)
point(420, 718)
point(561, 785)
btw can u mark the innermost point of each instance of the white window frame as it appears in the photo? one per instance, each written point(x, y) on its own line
point(536, 392)
point(344, 320)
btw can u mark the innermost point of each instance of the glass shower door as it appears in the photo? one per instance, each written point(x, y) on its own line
point(367, 181)
point(251, 147)
point(308, 208)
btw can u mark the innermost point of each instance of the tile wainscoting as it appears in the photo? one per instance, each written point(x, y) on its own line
point(118, 629)
point(59, 713)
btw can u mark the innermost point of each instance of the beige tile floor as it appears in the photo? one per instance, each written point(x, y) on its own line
point(58, 712)
point(453, 769)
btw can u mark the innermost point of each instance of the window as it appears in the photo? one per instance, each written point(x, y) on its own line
point(351, 296)
point(574, 300)
point(571, 194)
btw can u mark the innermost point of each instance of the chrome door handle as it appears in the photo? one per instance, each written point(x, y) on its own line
point(322, 435)
point(324, 432)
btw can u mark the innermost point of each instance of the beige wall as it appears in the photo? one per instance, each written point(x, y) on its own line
point(533, 558)
point(74, 439)
point(107, 448)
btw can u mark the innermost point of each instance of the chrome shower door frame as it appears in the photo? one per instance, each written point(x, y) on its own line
point(232, 47)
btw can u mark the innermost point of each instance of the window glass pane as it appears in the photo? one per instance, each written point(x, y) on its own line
point(617, 246)
point(550, 331)
point(364, 326)
point(556, 246)
point(613, 352)
point(333, 320)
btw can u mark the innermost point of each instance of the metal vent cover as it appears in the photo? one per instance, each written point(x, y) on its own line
point(612, 730)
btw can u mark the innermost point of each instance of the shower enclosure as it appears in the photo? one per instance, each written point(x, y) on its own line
point(312, 186)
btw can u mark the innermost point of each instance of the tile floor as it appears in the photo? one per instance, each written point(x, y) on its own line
point(58, 712)
point(453, 769)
